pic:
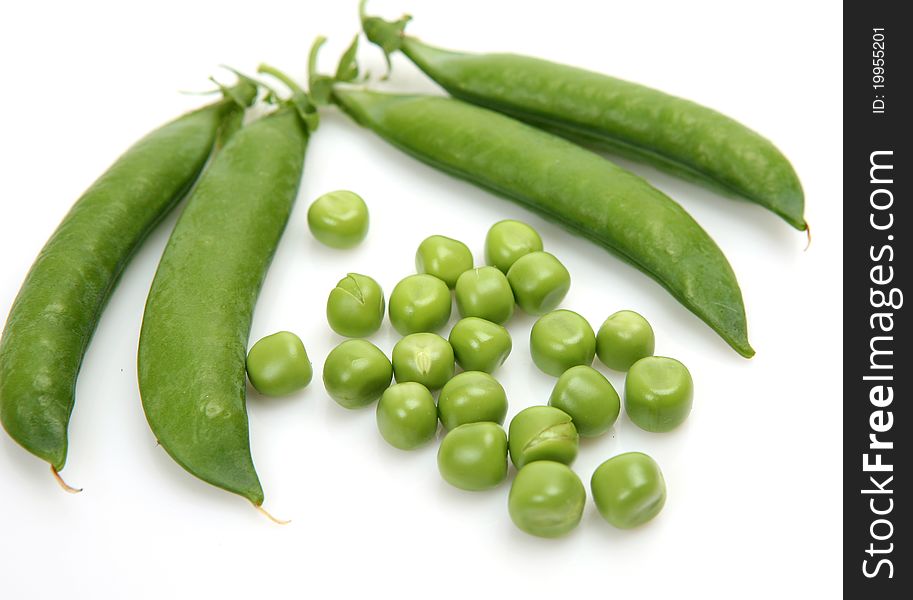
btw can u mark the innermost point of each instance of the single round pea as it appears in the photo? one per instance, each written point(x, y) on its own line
point(589, 398)
point(419, 303)
point(560, 340)
point(546, 499)
point(480, 345)
point(443, 257)
point(624, 338)
point(658, 393)
point(507, 241)
point(485, 293)
point(356, 373)
point(474, 456)
point(471, 397)
point(278, 365)
point(339, 219)
point(542, 433)
point(406, 415)
point(425, 358)
point(355, 307)
point(628, 489)
point(539, 282)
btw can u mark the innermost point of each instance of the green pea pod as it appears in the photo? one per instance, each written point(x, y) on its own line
point(677, 135)
point(198, 314)
point(567, 184)
point(60, 302)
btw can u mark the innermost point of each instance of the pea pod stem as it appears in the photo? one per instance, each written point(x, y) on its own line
point(285, 79)
point(684, 138)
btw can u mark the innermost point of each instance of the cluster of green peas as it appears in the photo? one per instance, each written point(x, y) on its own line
point(546, 498)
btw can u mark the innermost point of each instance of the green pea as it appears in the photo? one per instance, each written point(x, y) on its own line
point(443, 257)
point(628, 489)
point(560, 340)
point(474, 456)
point(589, 398)
point(278, 365)
point(406, 415)
point(542, 433)
point(507, 241)
point(356, 373)
point(546, 499)
point(539, 282)
point(471, 397)
point(485, 293)
point(339, 219)
point(658, 393)
point(624, 338)
point(419, 303)
point(480, 345)
point(355, 307)
point(425, 358)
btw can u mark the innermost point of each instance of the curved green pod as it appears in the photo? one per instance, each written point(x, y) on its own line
point(58, 307)
point(198, 314)
point(570, 185)
point(621, 117)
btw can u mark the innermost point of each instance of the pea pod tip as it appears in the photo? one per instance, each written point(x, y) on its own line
point(744, 349)
point(63, 484)
point(269, 516)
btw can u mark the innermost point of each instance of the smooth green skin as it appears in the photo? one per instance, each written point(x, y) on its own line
point(560, 340)
point(539, 282)
point(640, 123)
point(198, 314)
point(589, 398)
point(623, 339)
point(355, 307)
point(425, 358)
point(480, 345)
point(278, 365)
point(473, 457)
point(659, 393)
point(581, 190)
point(472, 397)
point(542, 433)
point(444, 258)
point(339, 219)
point(628, 489)
point(485, 293)
point(62, 298)
point(356, 373)
point(407, 416)
point(546, 499)
point(420, 303)
point(507, 241)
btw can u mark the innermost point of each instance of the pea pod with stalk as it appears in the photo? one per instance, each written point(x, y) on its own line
point(631, 120)
point(198, 314)
point(61, 301)
point(567, 184)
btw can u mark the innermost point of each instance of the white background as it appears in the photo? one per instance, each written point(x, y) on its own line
point(754, 505)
